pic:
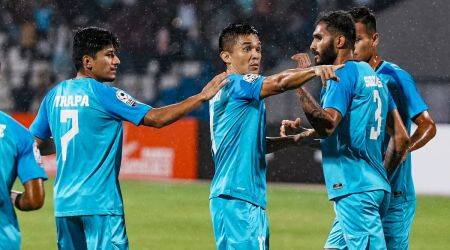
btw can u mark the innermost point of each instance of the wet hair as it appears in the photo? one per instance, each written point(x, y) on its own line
point(229, 35)
point(365, 16)
point(89, 41)
point(340, 22)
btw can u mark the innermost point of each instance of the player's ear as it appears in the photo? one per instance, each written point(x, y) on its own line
point(87, 62)
point(375, 39)
point(226, 57)
point(340, 41)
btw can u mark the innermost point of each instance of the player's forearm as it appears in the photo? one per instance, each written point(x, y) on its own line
point(422, 135)
point(397, 130)
point(294, 78)
point(160, 117)
point(32, 198)
point(286, 80)
point(395, 154)
point(319, 119)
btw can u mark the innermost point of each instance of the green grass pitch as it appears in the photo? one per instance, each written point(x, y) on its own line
point(174, 215)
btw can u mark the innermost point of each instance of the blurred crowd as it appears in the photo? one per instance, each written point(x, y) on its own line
point(168, 47)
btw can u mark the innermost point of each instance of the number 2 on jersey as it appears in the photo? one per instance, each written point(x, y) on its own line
point(65, 116)
point(375, 132)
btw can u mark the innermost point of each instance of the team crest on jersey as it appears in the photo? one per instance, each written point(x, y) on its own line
point(125, 98)
point(2, 130)
point(251, 77)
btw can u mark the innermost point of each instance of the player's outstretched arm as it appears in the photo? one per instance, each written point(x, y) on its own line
point(324, 121)
point(32, 198)
point(426, 130)
point(46, 147)
point(160, 117)
point(294, 78)
point(398, 144)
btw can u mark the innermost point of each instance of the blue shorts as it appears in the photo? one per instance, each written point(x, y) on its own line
point(91, 232)
point(397, 224)
point(358, 221)
point(238, 224)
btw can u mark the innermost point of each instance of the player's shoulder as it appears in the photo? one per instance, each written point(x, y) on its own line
point(53, 90)
point(351, 68)
point(4, 117)
point(392, 69)
point(249, 78)
point(7, 119)
point(359, 66)
point(13, 127)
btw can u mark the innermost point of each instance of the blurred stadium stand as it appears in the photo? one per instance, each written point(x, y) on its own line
point(169, 51)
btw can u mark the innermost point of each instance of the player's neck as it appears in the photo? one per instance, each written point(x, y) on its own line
point(343, 56)
point(232, 70)
point(84, 74)
point(375, 61)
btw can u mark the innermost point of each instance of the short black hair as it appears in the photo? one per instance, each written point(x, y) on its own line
point(89, 41)
point(340, 22)
point(229, 35)
point(366, 16)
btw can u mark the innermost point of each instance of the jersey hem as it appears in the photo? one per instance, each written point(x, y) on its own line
point(83, 212)
point(241, 197)
point(362, 190)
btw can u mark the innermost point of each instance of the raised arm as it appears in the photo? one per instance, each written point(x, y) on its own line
point(398, 144)
point(426, 130)
point(294, 78)
point(32, 198)
point(160, 117)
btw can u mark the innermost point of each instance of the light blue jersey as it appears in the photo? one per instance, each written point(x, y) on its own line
point(18, 158)
point(352, 157)
point(238, 136)
point(410, 104)
point(84, 117)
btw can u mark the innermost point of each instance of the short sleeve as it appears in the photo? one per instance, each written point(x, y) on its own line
point(120, 105)
point(391, 103)
point(248, 87)
point(414, 100)
point(338, 95)
point(40, 127)
point(28, 158)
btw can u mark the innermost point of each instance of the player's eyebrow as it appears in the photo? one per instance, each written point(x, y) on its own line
point(110, 50)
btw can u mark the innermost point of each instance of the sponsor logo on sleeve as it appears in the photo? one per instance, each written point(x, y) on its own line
point(125, 98)
point(251, 77)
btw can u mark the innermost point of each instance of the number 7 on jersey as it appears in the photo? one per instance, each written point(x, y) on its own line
point(65, 116)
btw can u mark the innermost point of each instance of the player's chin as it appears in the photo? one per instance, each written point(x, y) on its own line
point(111, 77)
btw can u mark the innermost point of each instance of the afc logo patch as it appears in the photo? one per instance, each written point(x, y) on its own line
point(251, 77)
point(125, 98)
